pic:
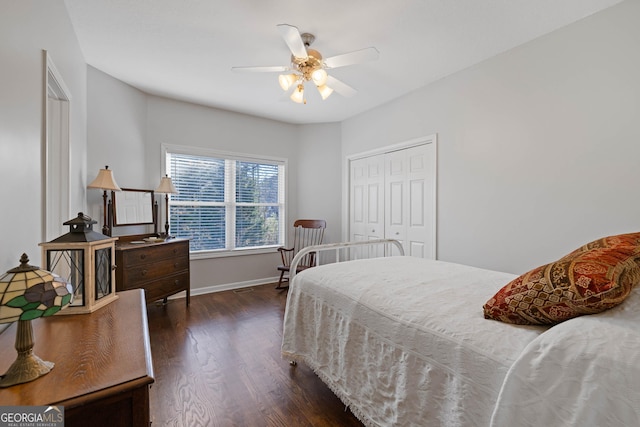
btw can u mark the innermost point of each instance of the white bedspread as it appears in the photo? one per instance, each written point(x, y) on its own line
point(403, 341)
point(582, 372)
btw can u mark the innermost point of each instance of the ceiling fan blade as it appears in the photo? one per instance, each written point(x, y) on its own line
point(340, 87)
point(355, 57)
point(274, 69)
point(292, 38)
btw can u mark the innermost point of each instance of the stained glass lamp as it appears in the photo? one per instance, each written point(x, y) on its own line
point(26, 293)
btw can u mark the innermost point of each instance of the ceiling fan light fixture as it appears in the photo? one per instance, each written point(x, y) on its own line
point(308, 65)
point(319, 77)
point(325, 91)
point(287, 80)
point(298, 95)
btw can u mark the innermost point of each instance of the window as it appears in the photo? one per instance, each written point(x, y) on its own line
point(225, 202)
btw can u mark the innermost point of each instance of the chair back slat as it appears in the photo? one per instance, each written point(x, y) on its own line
point(307, 232)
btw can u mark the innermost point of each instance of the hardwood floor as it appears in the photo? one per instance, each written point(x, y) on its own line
point(218, 363)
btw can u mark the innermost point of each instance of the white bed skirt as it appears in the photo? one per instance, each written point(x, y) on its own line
point(403, 341)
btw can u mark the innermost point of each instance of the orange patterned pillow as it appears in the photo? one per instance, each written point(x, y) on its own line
point(591, 279)
point(629, 239)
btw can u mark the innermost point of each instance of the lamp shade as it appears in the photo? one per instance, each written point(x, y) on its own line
point(166, 186)
point(298, 95)
point(104, 180)
point(26, 293)
point(325, 91)
point(287, 80)
point(319, 77)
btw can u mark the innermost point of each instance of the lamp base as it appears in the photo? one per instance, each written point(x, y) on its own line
point(27, 367)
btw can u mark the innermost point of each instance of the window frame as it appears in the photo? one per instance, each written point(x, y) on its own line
point(230, 218)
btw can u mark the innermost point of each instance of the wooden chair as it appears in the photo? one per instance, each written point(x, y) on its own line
point(307, 232)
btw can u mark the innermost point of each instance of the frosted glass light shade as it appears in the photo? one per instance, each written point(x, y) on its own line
point(319, 77)
point(325, 91)
point(287, 80)
point(298, 95)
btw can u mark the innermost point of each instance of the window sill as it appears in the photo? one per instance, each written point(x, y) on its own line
point(235, 252)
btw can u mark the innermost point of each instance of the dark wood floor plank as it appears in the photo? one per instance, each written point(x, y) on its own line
point(218, 363)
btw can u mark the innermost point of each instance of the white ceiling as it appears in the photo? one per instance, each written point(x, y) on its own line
point(184, 49)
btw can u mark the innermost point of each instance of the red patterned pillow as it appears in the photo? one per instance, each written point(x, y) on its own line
point(589, 280)
point(629, 239)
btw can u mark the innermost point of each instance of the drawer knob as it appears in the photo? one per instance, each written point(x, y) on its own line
point(143, 256)
point(175, 250)
point(144, 272)
point(175, 265)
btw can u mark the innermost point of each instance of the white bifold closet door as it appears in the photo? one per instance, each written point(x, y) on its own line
point(409, 200)
point(367, 202)
point(392, 195)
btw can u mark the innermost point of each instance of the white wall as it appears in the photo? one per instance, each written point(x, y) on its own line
point(117, 134)
point(26, 28)
point(538, 148)
point(179, 123)
point(319, 181)
point(128, 127)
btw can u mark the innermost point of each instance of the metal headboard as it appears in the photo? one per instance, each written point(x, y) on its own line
point(388, 245)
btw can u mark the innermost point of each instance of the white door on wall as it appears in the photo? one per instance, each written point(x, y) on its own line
point(409, 200)
point(392, 195)
point(367, 199)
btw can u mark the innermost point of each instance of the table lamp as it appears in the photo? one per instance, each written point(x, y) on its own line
point(26, 293)
point(105, 181)
point(166, 187)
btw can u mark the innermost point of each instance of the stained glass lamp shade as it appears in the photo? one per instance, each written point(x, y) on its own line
point(26, 293)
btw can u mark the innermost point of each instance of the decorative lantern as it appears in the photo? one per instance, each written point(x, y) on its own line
point(84, 258)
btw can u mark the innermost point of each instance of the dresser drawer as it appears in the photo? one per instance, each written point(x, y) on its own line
point(166, 286)
point(154, 253)
point(146, 272)
point(161, 269)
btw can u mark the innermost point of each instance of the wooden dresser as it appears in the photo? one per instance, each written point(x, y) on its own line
point(160, 268)
point(103, 367)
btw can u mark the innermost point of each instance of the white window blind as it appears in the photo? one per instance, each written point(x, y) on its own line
point(225, 202)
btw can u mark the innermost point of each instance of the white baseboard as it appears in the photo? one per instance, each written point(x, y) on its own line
point(226, 287)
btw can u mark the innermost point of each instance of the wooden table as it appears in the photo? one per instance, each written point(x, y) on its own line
point(103, 367)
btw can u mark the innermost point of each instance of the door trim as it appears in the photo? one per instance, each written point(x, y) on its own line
point(55, 88)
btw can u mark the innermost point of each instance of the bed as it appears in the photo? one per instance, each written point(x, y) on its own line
point(403, 342)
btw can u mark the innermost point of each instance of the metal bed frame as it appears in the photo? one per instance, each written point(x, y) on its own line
point(340, 248)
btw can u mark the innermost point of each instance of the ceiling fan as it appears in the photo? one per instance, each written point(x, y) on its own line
point(308, 65)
